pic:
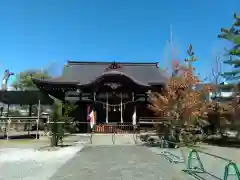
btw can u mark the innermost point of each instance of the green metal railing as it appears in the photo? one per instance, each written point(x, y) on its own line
point(200, 169)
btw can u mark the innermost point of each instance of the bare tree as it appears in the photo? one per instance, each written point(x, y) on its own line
point(216, 75)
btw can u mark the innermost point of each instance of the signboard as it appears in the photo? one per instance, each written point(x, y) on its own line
point(72, 93)
point(113, 85)
point(112, 95)
point(72, 96)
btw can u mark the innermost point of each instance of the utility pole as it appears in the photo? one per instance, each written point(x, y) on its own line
point(172, 54)
point(171, 44)
point(216, 73)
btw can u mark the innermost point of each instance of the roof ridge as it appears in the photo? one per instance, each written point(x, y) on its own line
point(106, 63)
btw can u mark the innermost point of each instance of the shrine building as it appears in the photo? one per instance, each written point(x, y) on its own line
point(114, 89)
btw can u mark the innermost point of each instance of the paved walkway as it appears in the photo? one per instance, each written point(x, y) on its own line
point(103, 160)
point(110, 139)
point(117, 163)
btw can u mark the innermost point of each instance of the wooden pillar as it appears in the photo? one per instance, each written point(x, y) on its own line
point(134, 116)
point(38, 118)
point(1, 111)
point(121, 109)
point(63, 108)
point(8, 110)
point(107, 107)
point(29, 120)
point(30, 110)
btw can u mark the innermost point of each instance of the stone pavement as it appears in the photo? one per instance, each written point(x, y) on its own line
point(117, 162)
point(110, 139)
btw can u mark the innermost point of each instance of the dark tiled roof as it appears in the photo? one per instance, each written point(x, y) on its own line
point(24, 97)
point(88, 72)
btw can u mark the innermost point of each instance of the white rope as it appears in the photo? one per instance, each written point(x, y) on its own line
point(77, 122)
point(113, 105)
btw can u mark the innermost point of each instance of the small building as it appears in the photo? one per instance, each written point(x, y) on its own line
point(21, 119)
point(225, 92)
point(114, 89)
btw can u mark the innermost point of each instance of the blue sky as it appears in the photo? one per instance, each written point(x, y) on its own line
point(38, 34)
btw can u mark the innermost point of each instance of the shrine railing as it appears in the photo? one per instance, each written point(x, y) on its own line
point(154, 120)
point(118, 128)
point(21, 127)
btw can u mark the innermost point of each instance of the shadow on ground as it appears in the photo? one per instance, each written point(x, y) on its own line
point(223, 143)
point(24, 136)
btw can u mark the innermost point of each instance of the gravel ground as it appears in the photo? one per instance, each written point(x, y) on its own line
point(43, 141)
point(21, 159)
point(30, 164)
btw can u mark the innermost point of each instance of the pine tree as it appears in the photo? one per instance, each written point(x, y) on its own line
point(191, 56)
point(232, 35)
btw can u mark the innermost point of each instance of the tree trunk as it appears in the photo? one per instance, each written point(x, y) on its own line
point(54, 140)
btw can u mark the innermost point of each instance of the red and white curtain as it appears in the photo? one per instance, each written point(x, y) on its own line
point(134, 117)
point(91, 117)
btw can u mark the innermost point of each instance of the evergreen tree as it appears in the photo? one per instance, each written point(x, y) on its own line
point(232, 35)
point(191, 56)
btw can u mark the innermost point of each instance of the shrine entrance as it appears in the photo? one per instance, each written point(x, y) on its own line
point(114, 116)
point(115, 99)
point(115, 108)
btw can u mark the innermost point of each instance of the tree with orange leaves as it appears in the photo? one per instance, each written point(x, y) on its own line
point(180, 99)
